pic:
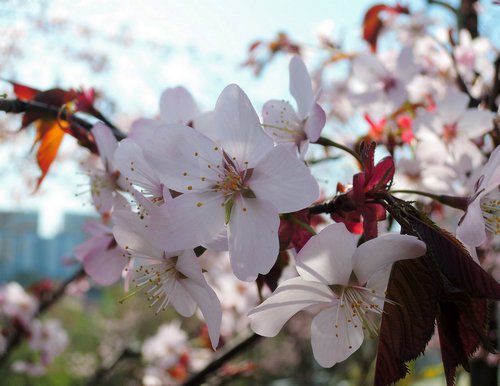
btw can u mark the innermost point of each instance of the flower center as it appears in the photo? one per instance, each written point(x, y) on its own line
point(449, 132)
point(158, 280)
point(490, 207)
point(361, 304)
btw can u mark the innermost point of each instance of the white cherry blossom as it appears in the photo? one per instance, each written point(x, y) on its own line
point(238, 179)
point(168, 277)
point(345, 281)
point(284, 124)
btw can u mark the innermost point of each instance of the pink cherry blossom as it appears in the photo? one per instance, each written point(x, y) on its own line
point(345, 282)
point(167, 277)
point(104, 183)
point(451, 128)
point(238, 179)
point(284, 124)
point(103, 260)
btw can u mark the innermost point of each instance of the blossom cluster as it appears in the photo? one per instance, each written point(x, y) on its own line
point(197, 205)
point(47, 338)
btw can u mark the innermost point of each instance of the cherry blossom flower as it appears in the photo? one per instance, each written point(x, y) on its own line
point(383, 85)
point(483, 210)
point(168, 277)
point(345, 282)
point(104, 183)
point(103, 260)
point(167, 355)
point(451, 127)
point(241, 180)
point(299, 128)
point(17, 304)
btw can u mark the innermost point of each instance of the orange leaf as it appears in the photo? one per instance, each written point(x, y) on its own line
point(50, 135)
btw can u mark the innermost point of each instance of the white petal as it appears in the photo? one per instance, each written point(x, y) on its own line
point(474, 123)
point(177, 106)
point(130, 161)
point(284, 181)
point(189, 265)
point(384, 250)
point(183, 158)
point(335, 335)
point(472, 230)
point(315, 123)
point(327, 256)
point(300, 87)
point(290, 297)
point(281, 122)
point(452, 106)
point(253, 237)
point(106, 144)
point(183, 223)
point(238, 127)
point(209, 305)
point(180, 298)
point(106, 267)
point(131, 233)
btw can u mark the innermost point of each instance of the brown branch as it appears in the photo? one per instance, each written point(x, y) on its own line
point(14, 339)
point(216, 364)
point(103, 372)
point(16, 106)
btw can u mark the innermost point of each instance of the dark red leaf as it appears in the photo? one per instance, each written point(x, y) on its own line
point(408, 324)
point(453, 259)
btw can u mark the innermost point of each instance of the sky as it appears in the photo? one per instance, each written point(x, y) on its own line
point(132, 51)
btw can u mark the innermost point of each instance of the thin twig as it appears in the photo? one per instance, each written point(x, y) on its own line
point(101, 373)
point(217, 363)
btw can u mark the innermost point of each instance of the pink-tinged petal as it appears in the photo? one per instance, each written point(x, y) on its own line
point(290, 297)
point(384, 250)
point(238, 127)
point(210, 307)
point(143, 127)
point(184, 159)
point(187, 221)
point(106, 267)
point(474, 123)
point(452, 106)
point(129, 159)
point(284, 181)
point(471, 230)
point(327, 256)
point(180, 298)
point(205, 124)
point(95, 228)
point(491, 171)
point(253, 237)
point(369, 69)
point(92, 245)
point(189, 265)
point(106, 144)
point(177, 106)
point(300, 87)
point(281, 122)
point(132, 234)
point(102, 189)
point(335, 335)
point(219, 243)
point(315, 123)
